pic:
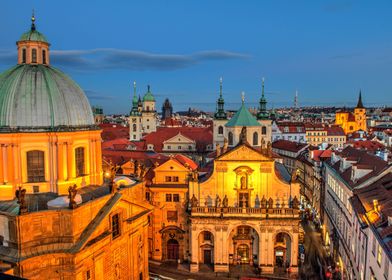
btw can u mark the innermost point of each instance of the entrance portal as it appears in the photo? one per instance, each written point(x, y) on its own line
point(207, 256)
point(243, 253)
point(173, 249)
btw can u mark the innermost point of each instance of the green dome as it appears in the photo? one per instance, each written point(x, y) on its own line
point(242, 118)
point(148, 96)
point(33, 35)
point(42, 98)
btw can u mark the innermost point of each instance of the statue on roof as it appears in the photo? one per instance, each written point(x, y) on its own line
point(243, 138)
point(72, 191)
point(217, 201)
point(225, 202)
point(194, 201)
point(20, 195)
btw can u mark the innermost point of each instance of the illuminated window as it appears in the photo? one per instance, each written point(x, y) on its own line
point(115, 226)
point(35, 166)
point(79, 161)
point(379, 255)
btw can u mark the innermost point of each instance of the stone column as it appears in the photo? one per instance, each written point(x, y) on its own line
point(262, 249)
point(221, 262)
point(194, 267)
point(98, 161)
point(10, 163)
point(1, 166)
point(294, 252)
point(70, 173)
point(5, 166)
point(60, 161)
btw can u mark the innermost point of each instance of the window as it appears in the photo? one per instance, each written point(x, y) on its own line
point(230, 136)
point(189, 147)
point(35, 166)
point(115, 226)
point(134, 127)
point(24, 56)
point(179, 147)
point(386, 267)
point(34, 56)
point(374, 246)
point(207, 236)
point(79, 161)
point(264, 130)
point(176, 197)
point(168, 178)
point(172, 216)
point(255, 139)
point(169, 147)
point(220, 130)
point(379, 255)
point(148, 127)
point(175, 178)
point(88, 274)
point(43, 56)
point(148, 197)
point(168, 197)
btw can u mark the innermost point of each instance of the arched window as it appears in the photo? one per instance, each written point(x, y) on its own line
point(230, 136)
point(24, 56)
point(43, 56)
point(134, 127)
point(34, 56)
point(220, 130)
point(255, 139)
point(264, 130)
point(79, 161)
point(35, 166)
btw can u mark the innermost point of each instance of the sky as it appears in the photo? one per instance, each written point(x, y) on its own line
point(326, 50)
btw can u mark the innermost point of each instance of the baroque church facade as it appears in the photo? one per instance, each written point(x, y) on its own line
point(352, 121)
point(58, 218)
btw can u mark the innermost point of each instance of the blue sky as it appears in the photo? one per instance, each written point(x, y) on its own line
point(327, 50)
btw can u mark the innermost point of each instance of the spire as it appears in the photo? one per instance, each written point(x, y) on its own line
point(262, 113)
point(135, 101)
point(134, 89)
point(243, 97)
point(220, 113)
point(32, 21)
point(360, 104)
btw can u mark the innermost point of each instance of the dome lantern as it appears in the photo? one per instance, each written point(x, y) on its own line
point(33, 48)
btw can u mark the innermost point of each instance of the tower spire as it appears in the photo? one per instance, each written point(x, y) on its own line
point(134, 89)
point(360, 104)
point(33, 21)
point(262, 113)
point(243, 97)
point(220, 87)
point(220, 113)
point(262, 88)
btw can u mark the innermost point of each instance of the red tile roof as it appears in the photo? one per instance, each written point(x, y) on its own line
point(201, 135)
point(367, 145)
point(335, 131)
point(286, 145)
point(112, 131)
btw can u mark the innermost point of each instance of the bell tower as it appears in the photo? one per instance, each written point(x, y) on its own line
point(263, 118)
point(135, 118)
point(220, 119)
point(360, 114)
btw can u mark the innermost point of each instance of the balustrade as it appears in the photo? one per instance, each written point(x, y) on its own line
point(232, 211)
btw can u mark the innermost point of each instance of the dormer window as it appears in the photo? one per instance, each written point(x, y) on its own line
point(34, 56)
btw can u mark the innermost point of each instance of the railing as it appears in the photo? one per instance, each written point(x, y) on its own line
point(248, 211)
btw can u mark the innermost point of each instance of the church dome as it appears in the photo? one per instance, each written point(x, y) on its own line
point(148, 96)
point(36, 97)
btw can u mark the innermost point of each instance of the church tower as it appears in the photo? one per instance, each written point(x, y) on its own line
point(360, 114)
point(220, 119)
point(149, 114)
point(135, 119)
point(263, 118)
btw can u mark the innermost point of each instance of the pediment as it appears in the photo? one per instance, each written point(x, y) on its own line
point(171, 165)
point(243, 153)
point(179, 138)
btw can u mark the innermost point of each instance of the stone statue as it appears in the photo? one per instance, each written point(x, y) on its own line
point(263, 202)
point(225, 145)
point(262, 144)
point(243, 139)
point(217, 201)
point(295, 203)
point(269, 149)
point(243, 182)
point(20, 195)
point(225, 202)
point(244, 202)
point(72, 191)
point(270, 203)
point(218, 150)
point(194, 201)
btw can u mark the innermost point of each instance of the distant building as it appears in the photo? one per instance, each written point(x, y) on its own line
point(167, 109)
point(291, 131)
point(351, 122)
point(98, 114)
point(289, 151)
point(318, 133)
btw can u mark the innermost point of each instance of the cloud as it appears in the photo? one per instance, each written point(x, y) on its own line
point(99, 59)
point(94, 95)
point(96, 59)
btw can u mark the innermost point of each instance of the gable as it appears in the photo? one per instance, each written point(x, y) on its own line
point(166, 166)
point(243, 153)
point(179, 138)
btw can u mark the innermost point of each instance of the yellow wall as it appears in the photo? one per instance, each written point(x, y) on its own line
point(59, 154)
point(341, 119)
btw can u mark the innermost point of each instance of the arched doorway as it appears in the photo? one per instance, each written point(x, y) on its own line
point(206, 248)
point(243, 245)
point(282, 250)
point(173, 249)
